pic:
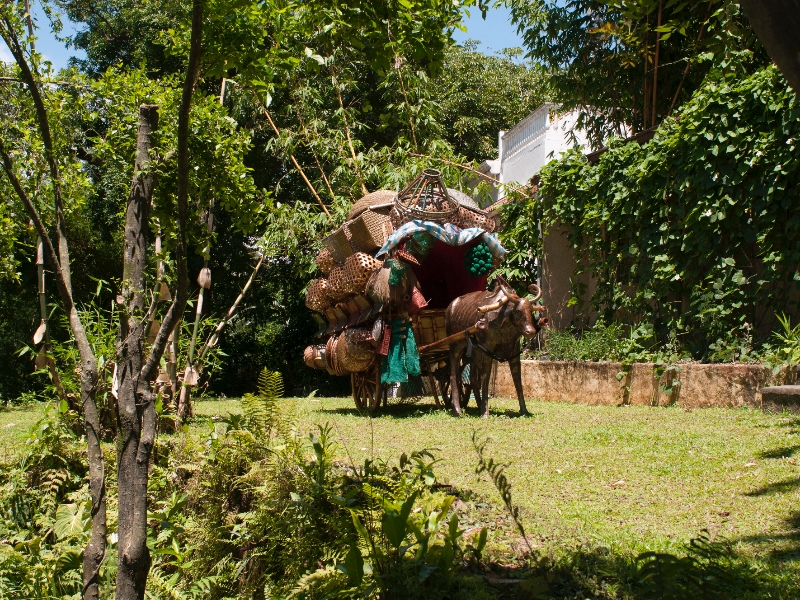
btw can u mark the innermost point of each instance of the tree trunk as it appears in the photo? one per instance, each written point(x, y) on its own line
point(136, 433)
point(137, 416)
point(776, 23)
point(96, 548)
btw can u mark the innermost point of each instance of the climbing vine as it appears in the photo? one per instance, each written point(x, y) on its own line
point(696, 232)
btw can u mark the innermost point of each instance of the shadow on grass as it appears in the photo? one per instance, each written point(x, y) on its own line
point(784, 452)
point(784, 545)
point(396, 411)
point(404, 410)
point(779, 487)
point(708, 570)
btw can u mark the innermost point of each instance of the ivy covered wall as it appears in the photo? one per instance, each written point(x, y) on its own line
point(696, 232)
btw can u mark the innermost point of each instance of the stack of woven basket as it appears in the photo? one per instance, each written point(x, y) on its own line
point(347, 259)
point(347, 262)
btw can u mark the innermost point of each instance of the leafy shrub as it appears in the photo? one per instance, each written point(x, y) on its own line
point(598, 343)
point(696, 231)
point(44, 513)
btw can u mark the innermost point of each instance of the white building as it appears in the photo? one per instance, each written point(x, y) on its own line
point(536, 140)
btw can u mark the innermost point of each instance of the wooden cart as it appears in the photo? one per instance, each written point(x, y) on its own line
point(434, 354)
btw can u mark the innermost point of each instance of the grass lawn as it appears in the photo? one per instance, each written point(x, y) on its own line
point(629, 479)
point(623, 480)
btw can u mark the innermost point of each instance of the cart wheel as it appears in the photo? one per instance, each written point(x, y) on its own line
point(367, 388)
point(443, 380)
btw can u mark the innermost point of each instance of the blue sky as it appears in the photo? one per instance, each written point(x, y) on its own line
point(47, 44)
point(494, 34)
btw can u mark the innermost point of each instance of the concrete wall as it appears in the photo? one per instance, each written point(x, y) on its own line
point(558, 275)
point(700, 385)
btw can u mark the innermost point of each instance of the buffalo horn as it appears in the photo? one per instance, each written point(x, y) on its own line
point(495, 305)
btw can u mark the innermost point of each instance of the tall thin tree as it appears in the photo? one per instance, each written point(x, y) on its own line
point(137, 415)
point(57, 255)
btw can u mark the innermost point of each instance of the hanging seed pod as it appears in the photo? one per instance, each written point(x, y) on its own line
point(204, 279)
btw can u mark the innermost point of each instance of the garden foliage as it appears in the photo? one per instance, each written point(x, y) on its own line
point(696, 231)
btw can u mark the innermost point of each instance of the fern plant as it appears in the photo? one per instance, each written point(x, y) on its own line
point(261, 414)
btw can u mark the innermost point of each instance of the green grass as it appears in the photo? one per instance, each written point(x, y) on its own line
point(620, 479)
point(14, 424)
point(628, 478)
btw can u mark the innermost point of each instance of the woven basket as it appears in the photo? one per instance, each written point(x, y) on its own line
point(370, 230)
point(314, 357)
point(338, 288)
point(352, 355)
point(332, 362)
point(429, 326)
point(317, 296)
point(358, 268)
point(325, 261)
point(338, 244)
point(397, 219)
point(468, 218)
point(379, 198)
point(427, 198)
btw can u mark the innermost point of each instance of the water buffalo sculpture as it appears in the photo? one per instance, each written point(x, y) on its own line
point(506, 317)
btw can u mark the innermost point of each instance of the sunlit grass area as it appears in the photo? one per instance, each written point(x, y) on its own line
point(632, 477)
point(621, 480)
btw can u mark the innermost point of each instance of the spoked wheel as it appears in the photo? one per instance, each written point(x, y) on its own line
point(367, 388)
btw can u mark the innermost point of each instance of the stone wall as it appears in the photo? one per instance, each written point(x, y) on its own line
point(694, 385)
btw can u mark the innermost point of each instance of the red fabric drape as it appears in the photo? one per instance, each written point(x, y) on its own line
point(443, 276)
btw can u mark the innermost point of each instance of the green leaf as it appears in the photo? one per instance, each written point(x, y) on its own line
point(354, 563)
point(71, 520)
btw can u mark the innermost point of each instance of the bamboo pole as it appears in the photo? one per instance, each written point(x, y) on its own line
point(655, 63)
point(48, 346)
point(689, 60)
point(347, 132)
point(644, 82)
point(294, 161)
point(214, 337)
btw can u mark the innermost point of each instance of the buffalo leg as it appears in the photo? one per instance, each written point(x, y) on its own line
point(486, 375)
point(455, 359)
point(480, 382)
point(516, 375)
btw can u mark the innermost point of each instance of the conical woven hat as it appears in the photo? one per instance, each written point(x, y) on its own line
point(427, 198)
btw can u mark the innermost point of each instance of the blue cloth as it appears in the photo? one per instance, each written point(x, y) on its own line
point(448, 233)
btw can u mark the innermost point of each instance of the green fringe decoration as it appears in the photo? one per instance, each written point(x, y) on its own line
point(478, 260)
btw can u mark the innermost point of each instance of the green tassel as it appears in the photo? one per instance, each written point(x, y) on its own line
point(478, 260)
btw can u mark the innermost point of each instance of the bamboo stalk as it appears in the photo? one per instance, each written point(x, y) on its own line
point(214, 337)
point(655, 63)
point(294, 161)
point(48, 346)
point(314, 154)
point(689, 60)
point(347, 132)
point(644, 82)
point(465, 167)
point(408, 106)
